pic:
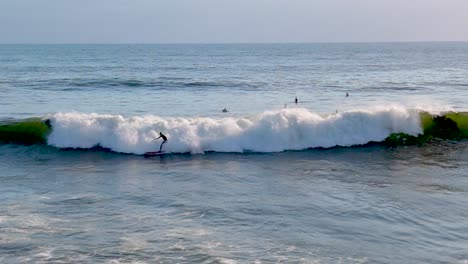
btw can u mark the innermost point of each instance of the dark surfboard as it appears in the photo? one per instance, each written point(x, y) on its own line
point(154, 154)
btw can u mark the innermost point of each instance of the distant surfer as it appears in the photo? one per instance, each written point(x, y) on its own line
point(225, 110)
point(295, 100)
point(347, 94)
point(164, 140)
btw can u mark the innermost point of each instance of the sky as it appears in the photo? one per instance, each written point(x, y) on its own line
point(231, 21)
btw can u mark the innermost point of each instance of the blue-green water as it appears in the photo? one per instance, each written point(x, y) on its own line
point(270, 181)
point(200, 80)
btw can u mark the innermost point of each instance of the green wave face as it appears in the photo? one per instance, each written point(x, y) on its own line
point(462, 122)
point(27, 132)
point(449, 126)
point(452, 125)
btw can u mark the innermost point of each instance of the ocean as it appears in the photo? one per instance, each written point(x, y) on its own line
point(369, 166)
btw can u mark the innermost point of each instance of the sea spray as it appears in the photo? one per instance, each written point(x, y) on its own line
point(271, 131)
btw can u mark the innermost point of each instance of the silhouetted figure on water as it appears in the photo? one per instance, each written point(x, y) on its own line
point(164, 140)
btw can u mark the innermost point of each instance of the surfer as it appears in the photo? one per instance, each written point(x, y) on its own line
point(295, 100)
point(347, 94)
point(164, 140)
point(225, 110)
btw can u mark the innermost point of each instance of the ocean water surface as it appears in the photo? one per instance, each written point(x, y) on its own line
point(379, 176)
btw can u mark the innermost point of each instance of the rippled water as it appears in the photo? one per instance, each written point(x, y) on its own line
point(364, 205)
point(200, 80)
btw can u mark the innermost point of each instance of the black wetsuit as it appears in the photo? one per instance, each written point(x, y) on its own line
point(164, 140)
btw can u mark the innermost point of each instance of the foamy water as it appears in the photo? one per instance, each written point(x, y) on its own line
point(271, 131)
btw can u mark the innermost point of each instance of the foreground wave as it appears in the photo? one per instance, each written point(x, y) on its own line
point(271, 131)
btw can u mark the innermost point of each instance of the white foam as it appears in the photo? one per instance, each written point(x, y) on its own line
point(271, 131)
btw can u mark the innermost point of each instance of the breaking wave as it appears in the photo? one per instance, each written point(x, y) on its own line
point(271, 131)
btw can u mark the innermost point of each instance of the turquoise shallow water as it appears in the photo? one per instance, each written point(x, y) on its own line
point(248, 188)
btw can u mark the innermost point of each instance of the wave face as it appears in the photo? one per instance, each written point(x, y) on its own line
point(26, 132)
point(271, 131)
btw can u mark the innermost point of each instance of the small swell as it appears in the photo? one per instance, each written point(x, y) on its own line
point(158, 83)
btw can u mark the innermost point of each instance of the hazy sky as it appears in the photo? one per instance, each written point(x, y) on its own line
point(215, 21)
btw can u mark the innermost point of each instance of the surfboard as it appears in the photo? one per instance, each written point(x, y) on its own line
point(154, 154)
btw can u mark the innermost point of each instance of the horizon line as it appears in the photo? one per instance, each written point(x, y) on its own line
point(232, 43)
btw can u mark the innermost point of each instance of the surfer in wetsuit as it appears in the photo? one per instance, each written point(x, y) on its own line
point(164, 140)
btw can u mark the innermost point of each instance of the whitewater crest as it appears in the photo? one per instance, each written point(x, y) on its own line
point(270, 131)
